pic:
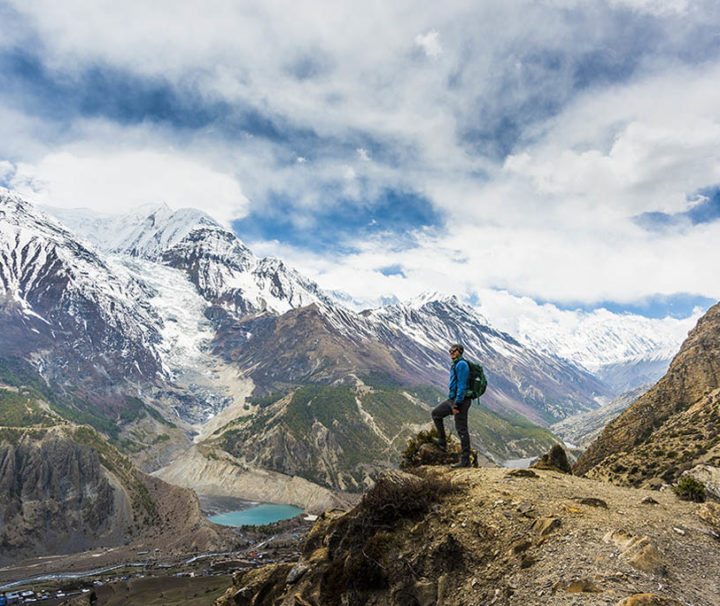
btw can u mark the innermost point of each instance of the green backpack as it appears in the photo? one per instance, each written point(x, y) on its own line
point(477, 383)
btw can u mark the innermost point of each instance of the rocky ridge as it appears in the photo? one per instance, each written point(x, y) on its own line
point(501, 537)
point(672, 427)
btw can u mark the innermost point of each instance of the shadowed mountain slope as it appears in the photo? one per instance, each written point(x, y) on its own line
point(60, 296)
point(64, 489)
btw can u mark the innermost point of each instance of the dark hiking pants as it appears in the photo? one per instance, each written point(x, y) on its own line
point(461, 423)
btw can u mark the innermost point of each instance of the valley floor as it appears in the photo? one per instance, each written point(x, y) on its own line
point(143, 574)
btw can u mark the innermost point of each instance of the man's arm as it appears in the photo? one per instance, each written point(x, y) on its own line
point(452, 385)
point(462, 372)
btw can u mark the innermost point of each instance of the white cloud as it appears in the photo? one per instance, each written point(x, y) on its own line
point(363, 154)
point(111, 182)
point(430, 43)
point(6, 170)
point(660, 8)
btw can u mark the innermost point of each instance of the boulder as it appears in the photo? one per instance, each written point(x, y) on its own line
point(554, 460)
point(638, 551)
point(544, 526)
point(709, 476)
point(644, 556)
point(592, 502)
point(522, 473)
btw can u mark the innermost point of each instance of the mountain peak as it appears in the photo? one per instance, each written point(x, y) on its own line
point(146, 231)
point(431, 296)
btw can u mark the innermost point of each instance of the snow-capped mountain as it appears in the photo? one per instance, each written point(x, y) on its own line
point(117, 325)
point(58, 295)
point(144, 232)
point(223, 269)
point(624, 351)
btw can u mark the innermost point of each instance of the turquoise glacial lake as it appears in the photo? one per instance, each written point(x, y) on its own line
point(256, 516)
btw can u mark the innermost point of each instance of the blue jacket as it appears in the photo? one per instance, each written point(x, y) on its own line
point(459, 375)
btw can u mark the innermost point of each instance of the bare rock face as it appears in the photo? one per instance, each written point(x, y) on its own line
point(640, 552)
point(54, 496)
point(671, 428)
point(64, 489)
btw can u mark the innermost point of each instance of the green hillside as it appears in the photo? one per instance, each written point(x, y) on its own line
point(340, 436)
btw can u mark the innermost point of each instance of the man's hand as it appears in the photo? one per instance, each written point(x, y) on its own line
point(456, 410)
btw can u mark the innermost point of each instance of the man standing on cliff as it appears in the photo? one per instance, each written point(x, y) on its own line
point(457, 404)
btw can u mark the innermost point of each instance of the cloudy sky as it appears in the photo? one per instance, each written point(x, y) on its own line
point(563, 151)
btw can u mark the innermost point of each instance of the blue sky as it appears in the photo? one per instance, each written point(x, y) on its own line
point(563, 151)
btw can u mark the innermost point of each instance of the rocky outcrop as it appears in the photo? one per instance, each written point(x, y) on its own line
point(674, 426)
point(554, 460)
point(54, 495)
point(709, 476)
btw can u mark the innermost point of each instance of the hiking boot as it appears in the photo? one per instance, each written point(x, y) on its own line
point(441, 445)
point(460, 464)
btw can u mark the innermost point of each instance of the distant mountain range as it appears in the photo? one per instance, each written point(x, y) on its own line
point(624, 351)
point(247, 299)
